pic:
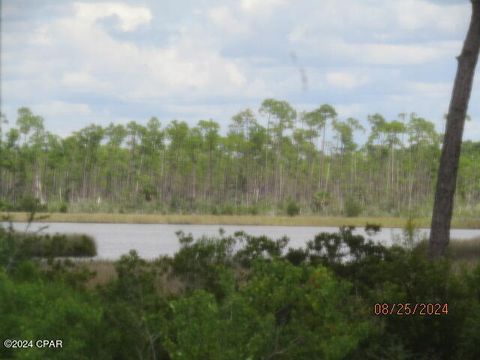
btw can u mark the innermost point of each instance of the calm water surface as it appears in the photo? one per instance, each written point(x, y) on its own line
point(152, 240)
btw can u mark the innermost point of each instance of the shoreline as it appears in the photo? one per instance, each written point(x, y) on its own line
point(258, 220)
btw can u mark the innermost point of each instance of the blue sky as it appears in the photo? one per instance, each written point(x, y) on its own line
point(82, 62)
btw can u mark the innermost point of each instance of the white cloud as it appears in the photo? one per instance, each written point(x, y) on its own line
point(209, 58)
point(349, 110)
point(404, 54)
point(189, 62)
point(345, 80)
point(373, 53)
point(392, 19)
point(224, 19)
point(129, 17)
point(60, 108)
point(258, 7)
point(83, 81)
point(409, 32)
point(414, 15)
point(430, 89)
point(40, 36)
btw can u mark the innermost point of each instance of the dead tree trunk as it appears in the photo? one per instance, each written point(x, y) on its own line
point(447, 173)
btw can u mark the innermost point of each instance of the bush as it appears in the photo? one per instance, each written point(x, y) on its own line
point(253, 210)
point(227, 209)
point(16, 247)
point(29, 203)
point(296, 256)
point(292, 208)
point(135, 310)
point(63, 207)
point(352, 207)
point(282, 311)
point(4, 205)
point(200, 264)
point(49, 310)
point(320, 201)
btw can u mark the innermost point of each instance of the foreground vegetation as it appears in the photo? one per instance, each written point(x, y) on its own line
point(243, 297)
point(277, 161)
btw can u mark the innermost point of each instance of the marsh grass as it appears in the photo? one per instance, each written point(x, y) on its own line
point(192, 219)
point(103, 272)
point(466, 250)
point(459, 251)
point(465, 254)
point(56, 245)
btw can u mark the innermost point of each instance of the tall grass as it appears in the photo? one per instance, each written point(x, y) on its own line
point(308, 220)
point(459, 250)
point(467, 250)
point(56, 245)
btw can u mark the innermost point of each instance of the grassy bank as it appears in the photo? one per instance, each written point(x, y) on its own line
point(464, 223)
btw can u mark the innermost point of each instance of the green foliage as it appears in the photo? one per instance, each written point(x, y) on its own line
point(296, 256)
point(320, 201)
point(39, 309)
point(283, 311)
point(63, 207)
point(29, 203)
point(204, 264)
point(243, 297)
point(258, 247)
point(424, 282)
point(25, 246)
point(410, 232)
point(135, 310)
point(352, 207)
point(292, 208)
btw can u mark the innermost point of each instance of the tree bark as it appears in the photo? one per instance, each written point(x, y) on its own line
point(447, 173)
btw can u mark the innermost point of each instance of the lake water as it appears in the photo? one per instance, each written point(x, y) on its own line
point(152, 240)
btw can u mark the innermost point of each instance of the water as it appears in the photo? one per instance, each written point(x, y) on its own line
point(152, 240)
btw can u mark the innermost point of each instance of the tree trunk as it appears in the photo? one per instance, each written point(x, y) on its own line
point(447, 173)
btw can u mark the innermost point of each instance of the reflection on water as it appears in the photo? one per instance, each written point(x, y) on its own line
point(152, 240)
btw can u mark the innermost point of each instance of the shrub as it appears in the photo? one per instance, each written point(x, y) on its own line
point(282, 311)
point(257, 247)
point(253, 210)
point(320, 201)
point(63, 207)
point(135, 310)
point(29, 203)
point(464, 249)
point(4, 205)
point(50, 310)
point(16, 247)
point(296, 256)
point(200, 263)
point(352, 207)
point(227, 209)
point(292, 208)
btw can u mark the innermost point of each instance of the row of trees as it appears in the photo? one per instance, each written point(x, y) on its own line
point(262, 162)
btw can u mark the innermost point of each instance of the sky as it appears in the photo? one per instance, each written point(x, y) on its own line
point(82, 62)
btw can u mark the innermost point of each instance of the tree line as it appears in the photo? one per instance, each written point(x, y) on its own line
point(269, 161)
